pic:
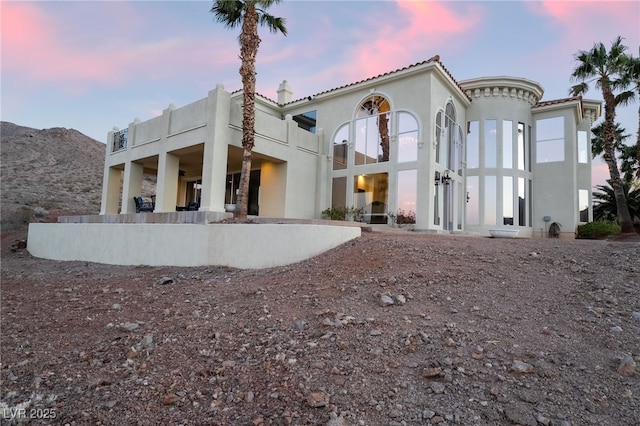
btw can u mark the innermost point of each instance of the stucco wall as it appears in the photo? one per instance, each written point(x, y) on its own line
point(245, 246)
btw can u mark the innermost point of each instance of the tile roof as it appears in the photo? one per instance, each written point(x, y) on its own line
point(558, 101)
point(434, 59)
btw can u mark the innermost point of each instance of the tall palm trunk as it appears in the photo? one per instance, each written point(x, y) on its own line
point(249, 43)
point(609, 155)
point(383, 129)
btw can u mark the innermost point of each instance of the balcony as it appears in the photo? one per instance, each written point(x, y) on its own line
point(120, 140)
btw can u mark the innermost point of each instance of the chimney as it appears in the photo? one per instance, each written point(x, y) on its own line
point(284, 93)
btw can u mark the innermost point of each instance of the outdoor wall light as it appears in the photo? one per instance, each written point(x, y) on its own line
point(437, 179)
point(446, 179)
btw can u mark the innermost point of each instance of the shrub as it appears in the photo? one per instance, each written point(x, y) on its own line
point(40, 212)
point(402, 217)
point(598, 229)
point(341, 213)
point(16, 220)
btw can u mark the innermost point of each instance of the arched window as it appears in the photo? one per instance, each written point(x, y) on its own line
point(372, 131)
point(407, 137)
point(340, 148)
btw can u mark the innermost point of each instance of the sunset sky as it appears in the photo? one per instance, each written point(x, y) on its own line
point(93, 65)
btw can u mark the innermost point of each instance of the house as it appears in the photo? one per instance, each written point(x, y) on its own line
point(462, 156)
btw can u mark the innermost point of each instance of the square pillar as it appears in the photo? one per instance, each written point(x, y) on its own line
point(214, 161)
point(167, 186)
point(132, 186)
point(110, 191)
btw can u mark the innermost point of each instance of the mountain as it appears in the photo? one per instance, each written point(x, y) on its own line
point(47, 173)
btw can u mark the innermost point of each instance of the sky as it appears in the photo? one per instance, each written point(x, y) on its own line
point(95, 65)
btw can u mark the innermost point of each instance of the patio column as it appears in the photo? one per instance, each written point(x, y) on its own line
point(218, 137)
point(167, 186)
point(111, 191)
point(132, 185)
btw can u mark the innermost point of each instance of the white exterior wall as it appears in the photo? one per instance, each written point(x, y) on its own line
point(555, 187)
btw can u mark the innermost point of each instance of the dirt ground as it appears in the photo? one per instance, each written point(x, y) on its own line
point(393, 328)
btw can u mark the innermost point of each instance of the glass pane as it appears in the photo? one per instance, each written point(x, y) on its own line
point(340, 148)
point(507, 200)
point(522, 203)
point(583, 153)
point(370, 195)
point(408, 147)
point(460, 151)
point(407, 137)
point(529, 203)
point(460, 205)
point(339, 192)
point(361, 141)
point(507, 144)
point(521, 147)
point(550, 140)
point(451, 146)
point(439, 135)
point(490, 201)
point(340, 156)
point(583, 205)
point(406, 123)
point(490, 152)
point(436, 205)
point(372, 147)
point(473, 145)
point(473, 200)
point(342, 135)
point(383, 137)
point(407, 194)
point(550, 151)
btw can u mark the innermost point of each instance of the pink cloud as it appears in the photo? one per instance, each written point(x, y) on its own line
point(37, 45)
point(583, 23)
point(32, 46)
point(422, 27)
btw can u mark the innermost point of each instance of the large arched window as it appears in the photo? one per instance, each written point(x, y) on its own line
point(372, 131)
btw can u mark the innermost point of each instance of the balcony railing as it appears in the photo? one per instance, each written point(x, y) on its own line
point(120, 139)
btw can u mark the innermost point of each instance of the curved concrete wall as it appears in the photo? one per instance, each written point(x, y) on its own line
point(244, 246)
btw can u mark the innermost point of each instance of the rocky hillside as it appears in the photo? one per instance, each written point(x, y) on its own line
point(46, 173)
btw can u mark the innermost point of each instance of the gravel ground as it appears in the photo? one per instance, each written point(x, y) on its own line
point(393, 328)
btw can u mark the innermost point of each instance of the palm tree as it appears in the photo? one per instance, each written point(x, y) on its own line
point(248, 14)
point(604, 203)
point(606, 69)
point(632, 77)
point(628, 155)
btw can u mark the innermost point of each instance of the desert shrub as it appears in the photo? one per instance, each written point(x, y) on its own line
point(16, 220)
point(403, 218)
point(598, 229)
point(341, 213)
point(48, 204)
point(40, 212)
